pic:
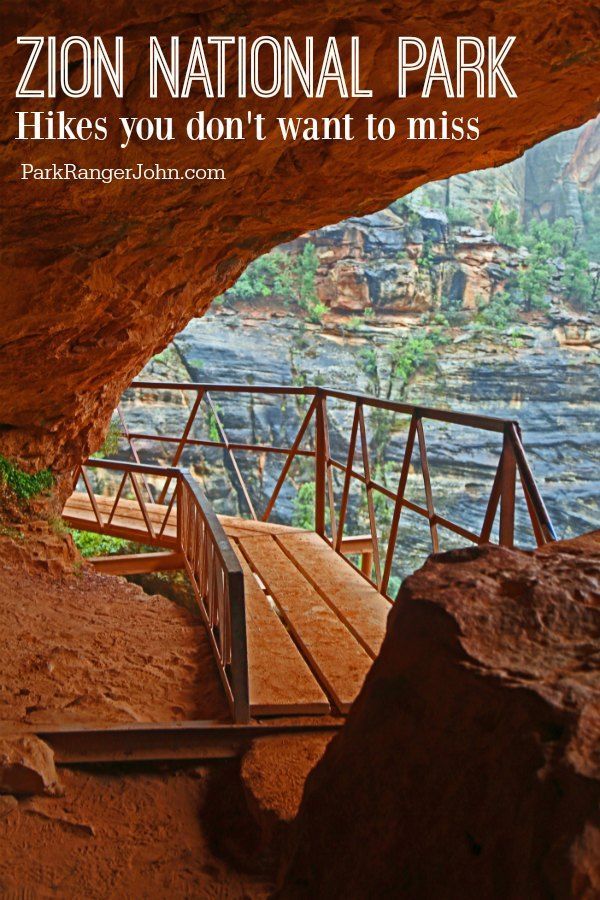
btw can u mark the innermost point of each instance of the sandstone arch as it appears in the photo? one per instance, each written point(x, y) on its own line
point(97, 278)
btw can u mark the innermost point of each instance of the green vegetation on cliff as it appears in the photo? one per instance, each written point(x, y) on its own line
point(289, 276)
point(90, 544)
point(552, 250)
point(23, 485)
point(303, 515)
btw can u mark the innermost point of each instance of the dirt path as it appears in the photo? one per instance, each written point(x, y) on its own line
point(91, 647)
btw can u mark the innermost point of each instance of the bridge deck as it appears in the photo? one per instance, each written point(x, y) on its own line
point(314, 624)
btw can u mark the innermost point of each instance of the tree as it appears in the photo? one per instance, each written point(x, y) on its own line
point(534, 278)
point(577, 281)
point(505, 226)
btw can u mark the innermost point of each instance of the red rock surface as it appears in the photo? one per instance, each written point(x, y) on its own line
point(470, 763)
point(96, 278)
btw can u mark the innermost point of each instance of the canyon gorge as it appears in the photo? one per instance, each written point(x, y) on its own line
point(400, 304)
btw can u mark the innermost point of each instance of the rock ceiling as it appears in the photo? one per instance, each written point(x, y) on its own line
point(98, 277)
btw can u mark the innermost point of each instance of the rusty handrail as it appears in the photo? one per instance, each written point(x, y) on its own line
point(329, 522)
point(218, 582)
point(474, 420)
point(211, 564)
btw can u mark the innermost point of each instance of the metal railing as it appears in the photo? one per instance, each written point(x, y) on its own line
point(330, 516)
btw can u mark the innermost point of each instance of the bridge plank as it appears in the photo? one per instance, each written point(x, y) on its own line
point(236, 526)
point(359, 605)
point(335, 656)
point(280, 681)
point(128, 521)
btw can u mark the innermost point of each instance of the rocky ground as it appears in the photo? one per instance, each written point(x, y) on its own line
point(82, 648)
point(119, 834)
point(469, 764)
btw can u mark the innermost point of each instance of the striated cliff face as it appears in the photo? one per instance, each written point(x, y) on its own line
point(435, 248)
point(95, 279)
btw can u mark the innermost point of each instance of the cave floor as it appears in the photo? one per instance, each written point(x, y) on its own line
point(81, 648)
point(120, 834)
point(87, 647)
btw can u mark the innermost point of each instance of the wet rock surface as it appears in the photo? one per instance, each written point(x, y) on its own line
point(469, 764)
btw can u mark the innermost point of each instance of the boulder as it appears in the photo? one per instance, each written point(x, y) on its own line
point(27, 766)
point(470, 762)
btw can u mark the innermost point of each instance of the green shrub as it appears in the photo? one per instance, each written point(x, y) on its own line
point(458, 215)
point(577, 281)
point(505, 226)
point(452, 311)
point(257, 280)
point(426, 257)
point(354, 323)
point(289, 276)
point(214, 433)
point(315, 312)
point(303, 515)
point(499, 313)
point(23, 485)
point(110, 445)
point(368, 360)
point(545, 242)
point(410, 354)
point(90, 544)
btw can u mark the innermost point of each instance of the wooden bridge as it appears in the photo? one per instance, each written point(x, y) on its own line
point(295, 617)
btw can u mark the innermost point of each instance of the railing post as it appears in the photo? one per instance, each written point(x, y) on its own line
point(320, 464)
point(239, 655)
point(179, 490)
point(366, 563)
point(540, 520)
point(507, 492)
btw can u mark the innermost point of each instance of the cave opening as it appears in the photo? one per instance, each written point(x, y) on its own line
point(483, 690)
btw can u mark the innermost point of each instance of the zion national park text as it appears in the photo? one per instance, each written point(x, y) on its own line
point(228, 66)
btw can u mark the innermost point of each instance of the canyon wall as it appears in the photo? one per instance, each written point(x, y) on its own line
point(97, 278)
point(436, 248)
